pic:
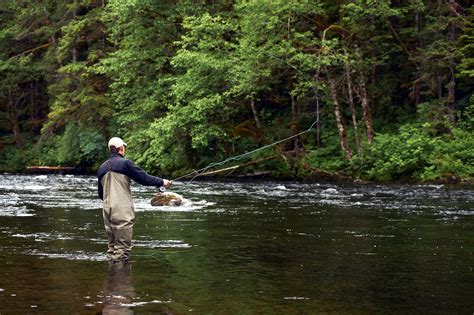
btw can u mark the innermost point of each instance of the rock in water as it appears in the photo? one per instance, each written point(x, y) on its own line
point(166, 199)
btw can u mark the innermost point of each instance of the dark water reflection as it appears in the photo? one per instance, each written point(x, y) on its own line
point(119, 292)
point(239, 248)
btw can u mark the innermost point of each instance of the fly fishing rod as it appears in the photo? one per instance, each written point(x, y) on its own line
point(203, 170)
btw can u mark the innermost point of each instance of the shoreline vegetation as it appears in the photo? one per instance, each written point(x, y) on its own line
point(365, 91)
point(315, 176)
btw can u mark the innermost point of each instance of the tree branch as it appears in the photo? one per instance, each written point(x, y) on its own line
point(32, 49)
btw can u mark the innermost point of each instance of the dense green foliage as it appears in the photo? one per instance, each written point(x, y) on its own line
point(189, 83)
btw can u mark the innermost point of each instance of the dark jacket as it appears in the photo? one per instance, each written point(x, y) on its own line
point(117, 163)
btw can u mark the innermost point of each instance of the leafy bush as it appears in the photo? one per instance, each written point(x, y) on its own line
point(46, 151)
point(328, 158)
point(414, 154)
point(453, 156)
point(398, 156)
point(12, 160)
point(77, 146)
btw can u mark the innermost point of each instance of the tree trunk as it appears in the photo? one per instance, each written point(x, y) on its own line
point(14, 121)
point(439, 85)
point(339, 119)
point(452, 67)
point(452, 97)
point(74, 49)
point(352, 106)
point(74, 54)
point(255, 115)
point(318, 134)
point(318, 113)
point(34, 110)
point(416, 84)
point(365, 108)
point(297, 143)
point(104, 129)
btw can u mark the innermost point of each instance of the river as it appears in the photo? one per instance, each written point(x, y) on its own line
point(249, 247)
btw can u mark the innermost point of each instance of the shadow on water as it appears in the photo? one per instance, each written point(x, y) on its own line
point(254, 247)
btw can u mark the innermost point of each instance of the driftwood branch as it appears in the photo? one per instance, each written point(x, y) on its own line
point(232, 168)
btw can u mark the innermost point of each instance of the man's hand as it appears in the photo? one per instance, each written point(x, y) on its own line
point(167, 183)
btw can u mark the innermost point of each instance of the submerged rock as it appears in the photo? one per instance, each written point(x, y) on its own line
point(166, 199)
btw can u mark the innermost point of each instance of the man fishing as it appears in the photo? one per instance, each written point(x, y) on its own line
point(114, 189)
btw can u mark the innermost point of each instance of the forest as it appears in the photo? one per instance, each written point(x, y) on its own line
point(371, 90)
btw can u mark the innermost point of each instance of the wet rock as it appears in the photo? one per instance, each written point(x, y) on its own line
point(166, 199)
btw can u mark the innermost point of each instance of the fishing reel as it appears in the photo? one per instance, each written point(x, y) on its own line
point(163, 188)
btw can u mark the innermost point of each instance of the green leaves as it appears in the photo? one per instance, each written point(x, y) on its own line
point(77, 146)
point(466, 42)
point(190, 82)
point(413, 154)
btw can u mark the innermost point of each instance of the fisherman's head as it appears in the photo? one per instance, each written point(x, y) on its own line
point(116, 145)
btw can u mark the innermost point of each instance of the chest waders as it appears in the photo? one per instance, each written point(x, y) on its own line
point(118, 214)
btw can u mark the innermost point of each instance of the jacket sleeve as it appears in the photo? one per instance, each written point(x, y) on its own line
point(141, 177)
point(100, 190)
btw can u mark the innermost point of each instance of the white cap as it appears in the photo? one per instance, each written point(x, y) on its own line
point(116, 142)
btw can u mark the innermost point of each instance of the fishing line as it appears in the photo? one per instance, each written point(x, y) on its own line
point(238, 157)
point(166, 224)
point(203, 170)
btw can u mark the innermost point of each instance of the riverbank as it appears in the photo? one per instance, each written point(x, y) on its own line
point(412, 155)
point(316, 176)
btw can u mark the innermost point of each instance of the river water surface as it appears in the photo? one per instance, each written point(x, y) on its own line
point(239, 248)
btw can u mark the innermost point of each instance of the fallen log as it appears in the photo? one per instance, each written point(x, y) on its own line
point(255, 175)
point(318, 173)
